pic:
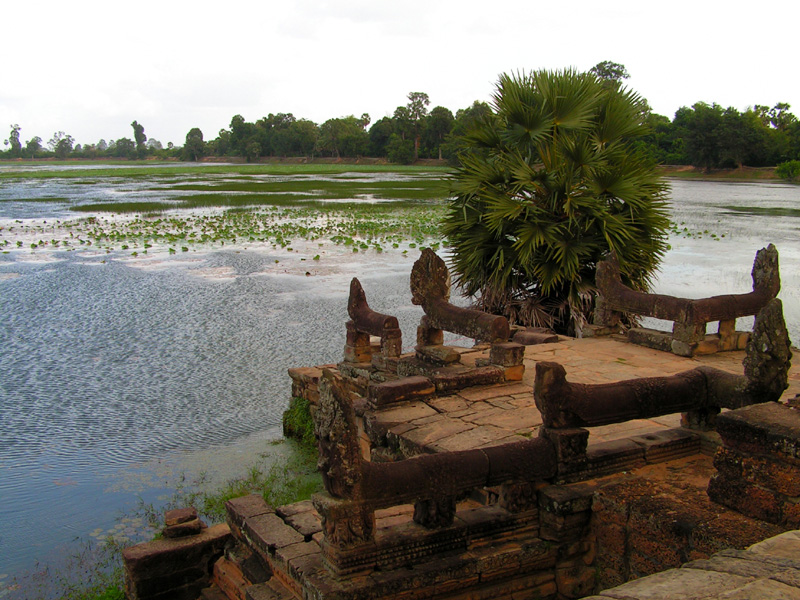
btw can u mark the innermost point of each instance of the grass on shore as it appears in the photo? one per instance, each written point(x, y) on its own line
point(149, 169)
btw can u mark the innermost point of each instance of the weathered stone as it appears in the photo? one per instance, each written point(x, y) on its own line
point(651, 338)
point(769, 429)
point(430, 288)
point(399, 390)
point(357, 354)
point(769, 355)
point(180, 515)
point(689, 316)
point(184, 528)
point(527, 337)
point(570, 444)
point(506, 354)
point(450, 381)
point(356, 338)
point(177, 568)
point(443, 355)
point(242, 508)
point(515, 373)
point(767, 472)
point(364, 318)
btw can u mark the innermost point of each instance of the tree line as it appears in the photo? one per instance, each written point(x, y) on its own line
point(703, 135)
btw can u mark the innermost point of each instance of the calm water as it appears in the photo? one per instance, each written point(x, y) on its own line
point(115, 375)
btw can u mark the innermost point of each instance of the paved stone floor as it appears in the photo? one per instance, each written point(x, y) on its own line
point(490, 415)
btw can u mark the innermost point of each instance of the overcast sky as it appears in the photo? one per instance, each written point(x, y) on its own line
point(91, 67)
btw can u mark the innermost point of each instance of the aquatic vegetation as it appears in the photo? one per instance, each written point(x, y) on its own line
point(278, 205)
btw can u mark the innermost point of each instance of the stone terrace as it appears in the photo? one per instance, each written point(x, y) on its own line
point(489, 415)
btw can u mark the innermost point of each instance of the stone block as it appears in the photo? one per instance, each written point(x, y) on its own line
point(269, 532)
point(708, 345)
point(408, 388)
point(176, 567)
point(392, 347)
point(356, 338)
point(244, 507)
point(180, 515)
point(438, 354)
point(429, 336)
point(726, 328)
point(651, 338)
point(514, 373)
point(449, 381)
point(566, 499)
point(570, 444)
point(185, 528)
point(770, 429)
point(357, 354)
point(506, 354)
point(764, 471)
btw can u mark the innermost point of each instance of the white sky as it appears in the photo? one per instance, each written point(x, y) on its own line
point(91, 67)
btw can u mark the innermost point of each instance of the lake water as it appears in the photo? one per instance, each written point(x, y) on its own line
point(117, 373)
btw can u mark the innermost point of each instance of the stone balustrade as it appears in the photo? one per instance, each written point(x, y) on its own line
point(689, 316)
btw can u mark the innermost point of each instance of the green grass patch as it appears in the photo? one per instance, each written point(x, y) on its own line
point(298, 424)
point(149, 169)
point(125, 207)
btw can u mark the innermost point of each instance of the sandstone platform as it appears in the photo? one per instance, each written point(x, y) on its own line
point(495, 414)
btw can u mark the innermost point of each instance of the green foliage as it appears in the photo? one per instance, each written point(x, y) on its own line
point(610, 71)
point(297, 421)
point(400, 151)
point(13, 141)
point(140, 138)
point(194, 148)
point(550, 182)
point(343, 137)
point(789, 170)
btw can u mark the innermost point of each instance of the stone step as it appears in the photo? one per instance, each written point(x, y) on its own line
point(271, 590)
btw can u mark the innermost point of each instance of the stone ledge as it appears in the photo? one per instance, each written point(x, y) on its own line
point(765, 571)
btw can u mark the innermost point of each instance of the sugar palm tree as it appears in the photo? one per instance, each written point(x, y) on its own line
point(549, 183)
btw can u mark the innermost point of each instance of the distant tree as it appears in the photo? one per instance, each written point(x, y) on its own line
point(195, 147)
point(33, 146)
point(343, 136)
point(778, 116)
point(102, 146)
point(439, 125)
point(379, 135)
point(13, 140)
point(124, 148)
point(417, 111)
point(402, 122)
point(610, 71)
point(252, 151)
point(702, 125)
point(303, 137)
point(154, 144)
point(140, 138)
point(242, 134)
point(61, 144)
point(400, 151)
